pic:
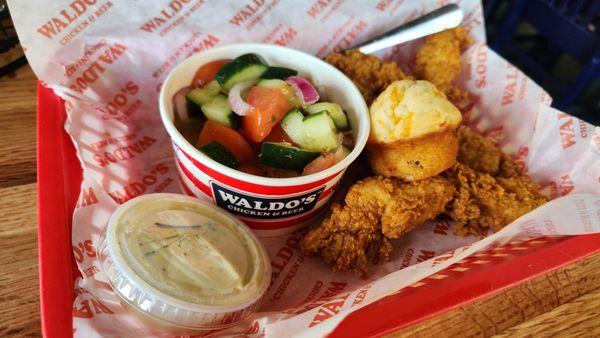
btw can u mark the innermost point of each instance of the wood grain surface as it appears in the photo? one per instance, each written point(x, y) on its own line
point(19, 294)
point(17, 128)
point(565, 302)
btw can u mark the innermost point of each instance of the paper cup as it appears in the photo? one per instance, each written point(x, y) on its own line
point(270, 206)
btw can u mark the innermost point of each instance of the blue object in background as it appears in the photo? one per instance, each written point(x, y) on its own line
point(540, 35)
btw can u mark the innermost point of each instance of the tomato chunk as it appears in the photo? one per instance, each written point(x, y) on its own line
point(278, 135)
point(324, 161)
point(252, 169)
point(270, 106)
point(230, 139)
point(206, 73)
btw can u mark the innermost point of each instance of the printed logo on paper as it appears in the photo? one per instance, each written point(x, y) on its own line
point(252, 206)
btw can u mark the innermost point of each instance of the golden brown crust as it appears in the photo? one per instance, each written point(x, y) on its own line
point(378, 209)
point(438, 61)
point(375, 210)
point(481, 154)
point(414, 159)
point(477, 152)
point(482, 201)
point(369, 73)
point(484, 190)
point(509, 167)
point(348, 239)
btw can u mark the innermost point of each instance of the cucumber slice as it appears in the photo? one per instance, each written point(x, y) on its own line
point(285, 87)
point(315, 132)
point(218, 110)
point(285, 156)
point(334, 110)
point(320, 133)
point(279, 73)
point(219, 153)
point(204, 95)
point(243, 68)
point(292, 124)
point(273, 83)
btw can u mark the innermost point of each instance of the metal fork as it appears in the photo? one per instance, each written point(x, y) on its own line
point(446, 17)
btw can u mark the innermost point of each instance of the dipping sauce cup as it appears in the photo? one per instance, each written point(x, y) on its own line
point(270, 206)
point(182, 264)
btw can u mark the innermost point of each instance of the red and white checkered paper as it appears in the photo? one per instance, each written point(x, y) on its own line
point(108, 58)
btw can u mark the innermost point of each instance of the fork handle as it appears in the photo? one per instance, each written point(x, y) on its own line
point(446, 17)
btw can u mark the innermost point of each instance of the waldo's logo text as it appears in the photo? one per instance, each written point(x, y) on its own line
point(263, 207)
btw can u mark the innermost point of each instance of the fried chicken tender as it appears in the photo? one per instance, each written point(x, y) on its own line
point(509, 167)
point(482, 201)
point(376, 209)
point(484, 189)
point(369, 73)
point(438, 61)
point(477, 152)
point(481, 154)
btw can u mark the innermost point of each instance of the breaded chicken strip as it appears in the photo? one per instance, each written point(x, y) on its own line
point(347, 238)
point(509, 167)
point(369, 73)
point(376, 208)
point(481, 154)
point(477, 152)
point(438, 61)
point(482, 201)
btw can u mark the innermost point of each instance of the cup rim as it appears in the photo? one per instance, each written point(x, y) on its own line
point(362, 132)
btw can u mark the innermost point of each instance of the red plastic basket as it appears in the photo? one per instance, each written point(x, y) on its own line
point(59, 178)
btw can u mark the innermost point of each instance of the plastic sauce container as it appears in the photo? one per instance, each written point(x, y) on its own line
point(183, 264)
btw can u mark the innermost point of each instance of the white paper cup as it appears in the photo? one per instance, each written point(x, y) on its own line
point(270, 206)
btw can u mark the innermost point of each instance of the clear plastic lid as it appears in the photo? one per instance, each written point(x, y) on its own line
point(184, 262)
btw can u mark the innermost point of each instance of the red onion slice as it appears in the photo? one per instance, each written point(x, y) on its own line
point(180, 104)
point(304, 89)
point(237, 104)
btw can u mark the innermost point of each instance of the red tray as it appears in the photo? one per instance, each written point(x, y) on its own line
point(59, 178)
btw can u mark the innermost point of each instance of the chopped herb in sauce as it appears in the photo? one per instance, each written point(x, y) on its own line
point(201, 252)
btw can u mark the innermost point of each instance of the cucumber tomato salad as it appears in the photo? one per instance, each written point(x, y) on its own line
point(261, 119)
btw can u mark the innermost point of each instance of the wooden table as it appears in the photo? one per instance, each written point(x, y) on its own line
point(565, 302)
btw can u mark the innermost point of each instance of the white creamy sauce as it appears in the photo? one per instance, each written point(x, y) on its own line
point(190, 252)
